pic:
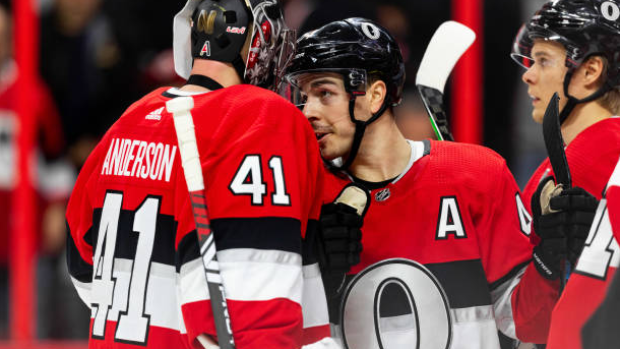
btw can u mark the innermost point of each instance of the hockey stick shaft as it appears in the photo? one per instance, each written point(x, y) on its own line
point(184, 126)
point(554, 142)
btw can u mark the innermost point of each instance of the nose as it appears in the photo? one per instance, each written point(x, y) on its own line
point(310, 110)
point(529, 77)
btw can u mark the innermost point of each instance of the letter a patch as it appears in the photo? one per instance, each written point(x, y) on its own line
point(206, 49)
point(449, 220)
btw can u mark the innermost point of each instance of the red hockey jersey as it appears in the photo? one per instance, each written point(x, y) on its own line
point(453, 220)
point(591, 163)
point(133, 252)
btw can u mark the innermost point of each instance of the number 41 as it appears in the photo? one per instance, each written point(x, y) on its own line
point(249, 181)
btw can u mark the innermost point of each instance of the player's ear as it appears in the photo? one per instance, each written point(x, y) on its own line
point(593, 70)
point(376, 93)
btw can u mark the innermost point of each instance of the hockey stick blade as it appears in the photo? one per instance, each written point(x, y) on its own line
point(447, 45)
point(554, 143)
point(180, 108)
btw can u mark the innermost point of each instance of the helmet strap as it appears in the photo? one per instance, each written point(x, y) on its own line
point(572, 101)
point(239, 66)
point(360, 128)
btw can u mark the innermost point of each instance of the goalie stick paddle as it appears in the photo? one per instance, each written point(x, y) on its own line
point(447, 45)
point(554, 142)
point(180, 108)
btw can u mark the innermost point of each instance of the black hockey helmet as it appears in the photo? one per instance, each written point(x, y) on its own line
point(218, 30)
point(585, 28)
point(353, 43)
point(358, 49)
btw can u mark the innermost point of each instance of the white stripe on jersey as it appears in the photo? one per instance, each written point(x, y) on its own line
point(161, 294)
point(502, 305)
point(400, 331)
point(273, 274)
point(474, 334)
point(314, 304)
point(83, 290)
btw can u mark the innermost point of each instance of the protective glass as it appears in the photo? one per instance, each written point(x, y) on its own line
point(272, 46)
point(355, 82)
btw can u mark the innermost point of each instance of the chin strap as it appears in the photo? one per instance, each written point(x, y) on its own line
point(572, 101)
point(360, 128)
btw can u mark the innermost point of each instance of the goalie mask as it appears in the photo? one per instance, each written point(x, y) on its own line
point(219, 29)
point(585, 28)
point(357, 49)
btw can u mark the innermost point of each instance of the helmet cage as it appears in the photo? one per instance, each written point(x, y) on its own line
point(229, 23)
point(272, 46)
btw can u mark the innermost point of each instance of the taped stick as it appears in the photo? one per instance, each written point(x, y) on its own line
point(446, 47)
point(180, 108)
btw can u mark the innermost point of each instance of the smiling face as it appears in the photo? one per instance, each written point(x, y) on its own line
point(546, 76)
point(327, 108)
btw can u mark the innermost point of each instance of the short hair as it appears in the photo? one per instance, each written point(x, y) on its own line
point(611, 99)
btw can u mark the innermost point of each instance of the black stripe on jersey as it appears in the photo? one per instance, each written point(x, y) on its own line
point(78, 267)
point(511, 274)
point(308, 246)
point(464, 282)
point(187, 250)
point(264, 233)
point(127, 239)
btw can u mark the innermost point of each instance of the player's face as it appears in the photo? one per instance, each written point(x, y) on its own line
point(546, 76)
point(327, 108)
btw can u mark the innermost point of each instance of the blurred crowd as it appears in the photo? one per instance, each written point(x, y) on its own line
point(97, 56)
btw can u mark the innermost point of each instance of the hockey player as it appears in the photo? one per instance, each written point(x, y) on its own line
point(450, 212)
point(600, 331)
point(132, 250)
point(571, 47)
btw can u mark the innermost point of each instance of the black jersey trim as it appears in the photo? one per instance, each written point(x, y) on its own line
point(78, 267)
point(169, 95)
point(265, 233)
point(372, 185)
point(308, 247)
point(427, 147)
point(464, 282)
point(127, 240)
point(511, 274)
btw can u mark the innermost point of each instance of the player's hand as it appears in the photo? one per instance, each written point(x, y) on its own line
point(550, 253)
point(577, 209)
point(340, 238)
point(562, 221)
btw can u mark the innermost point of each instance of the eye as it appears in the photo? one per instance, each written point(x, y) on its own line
point(325, 94)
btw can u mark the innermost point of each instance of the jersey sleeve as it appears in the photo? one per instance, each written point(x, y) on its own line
point(261, 192)
point(79, 217)
point(506, 249)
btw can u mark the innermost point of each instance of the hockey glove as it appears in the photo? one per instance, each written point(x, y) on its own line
point(341, 238)
point(577, 209)
point(550, 253)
